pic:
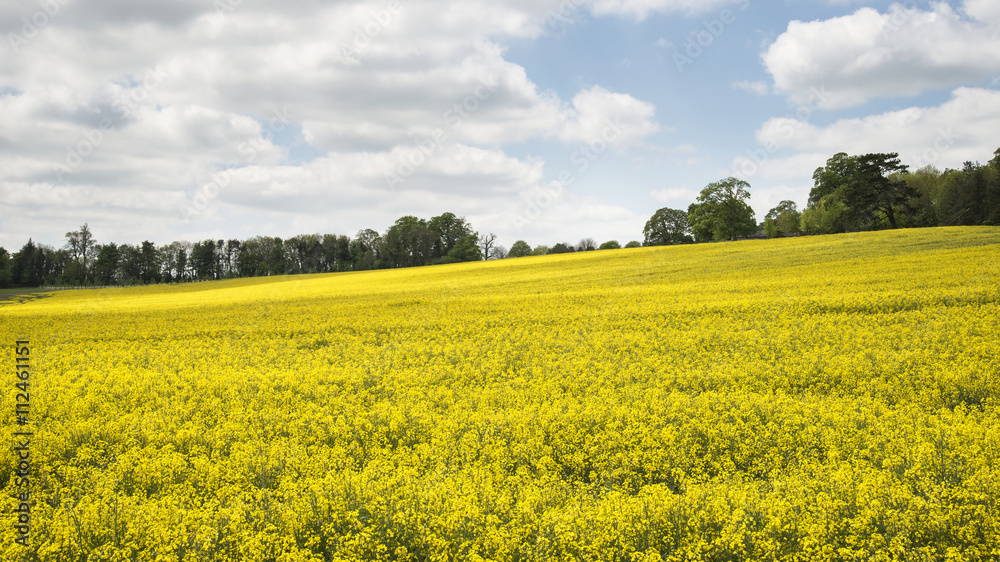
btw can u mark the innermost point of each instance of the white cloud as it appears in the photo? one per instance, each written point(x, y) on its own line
point(640, 9)
point(945, 136)
point(364, 83)
point(759, 88)
point(903, 52)
point(983, 10)
point(616, 118)
point(678, 197)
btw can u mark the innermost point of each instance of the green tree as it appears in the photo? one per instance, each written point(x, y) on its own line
point(722, 212)
point(561, 248)
point(106, 264)
point(81, 247)
point(336, 252)
point(448, 231)
point(5, 278)
point(634, 244)
point(877, 190)
point(203, 259)
point(782, 220)
point(366, 249)
point(923, 212)
point(407, 243)
point(826, 217)
point(826, 212)
point(540, 250)
point(667, 227)
point(610, 245)
point(970, 196)
point(466, 249)
point(828, 180)
point(519, 249)
point(149, 263)
point(130, 264)
point(28, 266)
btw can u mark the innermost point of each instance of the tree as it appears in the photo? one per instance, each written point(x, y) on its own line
point(498, 252)
point(149, 270)
point(203, 259)
point(826, 212)
point(130, 264)
point(407, 243)
point(336, 253)
point(519, 249)
point(27, 266)
point(825, 217)
point(878, 189)
point(540, 250)
point(448, 231)
point(722, 212)
point(366, 249)
point(667, 227)
point(486, 243)
point(467, 249)
point(274, 250)
point(586, 245)
point(80, 246)
point(561, 248)
point(828, 180)
point(5, 278)
point(634, 244)
point(231, 252)
point(926, 183)
point(610, 245)
point(782, 220)
point(183, 260)
point(106, 264)
point(303, 254)
point(970, 196)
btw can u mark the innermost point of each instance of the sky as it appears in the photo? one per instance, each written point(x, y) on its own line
point(542, 120)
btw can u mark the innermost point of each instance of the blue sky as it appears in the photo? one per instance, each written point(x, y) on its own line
point(546, 121)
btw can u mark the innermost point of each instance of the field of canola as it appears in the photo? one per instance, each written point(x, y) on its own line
point(821, 398)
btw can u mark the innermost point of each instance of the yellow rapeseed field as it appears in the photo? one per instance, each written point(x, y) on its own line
point(819, 398)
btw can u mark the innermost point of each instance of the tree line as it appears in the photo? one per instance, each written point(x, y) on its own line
point(850, 194)
point(409, 242)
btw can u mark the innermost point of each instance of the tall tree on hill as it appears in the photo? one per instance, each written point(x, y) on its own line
point(782, 220)
point(27, 266)
point(81, 247)
point(829, 179)
point(204, 260)
point(408, 243)
point(106, 264)
point(129, 264)
point(231, 253)
point(467, 249)
point(971, 196)
point(150, 266)
point(878, 189)
point(519, 249)
point(667, 227)
point(448, 231)
point(366, 250)
point(721, 211)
